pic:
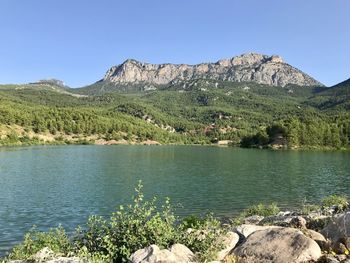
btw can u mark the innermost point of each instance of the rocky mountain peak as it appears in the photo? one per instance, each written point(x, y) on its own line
point(249, 67)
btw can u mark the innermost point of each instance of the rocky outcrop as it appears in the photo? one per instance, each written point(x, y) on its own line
point(251, 67)
point(279, 245)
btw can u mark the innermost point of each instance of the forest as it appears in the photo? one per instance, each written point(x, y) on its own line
point(200, 112)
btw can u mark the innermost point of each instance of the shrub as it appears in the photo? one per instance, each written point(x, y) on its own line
point(201, 235)
point(259, 210)
point(56, 239)
point(339, 202)
point(130, 228)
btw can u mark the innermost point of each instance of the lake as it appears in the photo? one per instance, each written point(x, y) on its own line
point(46, 186)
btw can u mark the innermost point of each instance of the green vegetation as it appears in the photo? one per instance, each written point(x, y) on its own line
point(142, 223)
point(339, 202)
point(56, 239)
point(131, 227)
point(197, 112)
point(256, 210)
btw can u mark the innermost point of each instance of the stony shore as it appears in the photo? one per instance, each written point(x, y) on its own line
point(321, 236)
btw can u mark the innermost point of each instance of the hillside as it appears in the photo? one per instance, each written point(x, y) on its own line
point(185, 109)
point(336, 97)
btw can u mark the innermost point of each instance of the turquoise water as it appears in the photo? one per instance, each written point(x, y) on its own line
point(47, 186)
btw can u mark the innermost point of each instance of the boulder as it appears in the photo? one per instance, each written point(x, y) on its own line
point(183, 253)
point(153, 254)
point(253, 220)
point(338, 228)
point(318, 237)
point(229, 241)
point(285, 221)
point(246, 230)
point(43, 255)
point(279, 245)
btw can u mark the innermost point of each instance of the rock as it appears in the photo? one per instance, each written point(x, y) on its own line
point(246, 230)
point(144, 253)
point(279, 245)
point(66, 260)
point(317, 222)
point(333, 259)
point(338, 231)
point(338, 227)
point(183, 253)
point(318, 237)
point(152, 254)
point(43, 255)
point(253, 220)
point(251, 67)
point(46, 255)
point(285, 221)
point(229, 241)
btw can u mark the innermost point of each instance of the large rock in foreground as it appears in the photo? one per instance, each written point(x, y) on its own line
point(153, 254)
point(279, 245)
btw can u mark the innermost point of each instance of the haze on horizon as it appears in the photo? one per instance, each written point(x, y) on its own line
point(77, 41)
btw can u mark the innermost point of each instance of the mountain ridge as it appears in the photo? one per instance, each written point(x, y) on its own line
point(249, 67)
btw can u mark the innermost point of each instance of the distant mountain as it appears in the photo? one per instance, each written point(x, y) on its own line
point(345, 83)
point(251, 67)
point(45, 85)
point(335, 97)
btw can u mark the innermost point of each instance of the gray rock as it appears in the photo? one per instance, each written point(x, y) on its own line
point(229, 242)
point(178, 254)
point(253, 220)
point(338, 227)
point(318, 237)
point(43, 255)
point(285, 221)
point(279, 245)
point(46, 255)
point(251, 67)
point(246, 230)
point(183, 253)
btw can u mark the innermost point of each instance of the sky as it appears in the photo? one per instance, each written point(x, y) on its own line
point(77, 41)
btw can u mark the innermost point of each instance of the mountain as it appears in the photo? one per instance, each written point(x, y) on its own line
point(42, 86)
point(251, 67)
point(335, 97)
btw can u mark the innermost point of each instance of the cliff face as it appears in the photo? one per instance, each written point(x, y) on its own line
point(251, 67)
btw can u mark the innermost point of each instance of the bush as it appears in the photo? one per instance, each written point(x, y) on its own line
point(130, 228)
point(339, 202)
point(259, 210)
point(133, 227)
point(201, 235)
point(56, 239)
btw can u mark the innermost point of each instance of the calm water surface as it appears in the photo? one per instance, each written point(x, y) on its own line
point(47, 186)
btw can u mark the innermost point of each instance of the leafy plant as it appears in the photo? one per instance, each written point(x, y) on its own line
point(259, 210)
point(201, 235)
point(56, 239)
point(339, 202)
point(130, 228)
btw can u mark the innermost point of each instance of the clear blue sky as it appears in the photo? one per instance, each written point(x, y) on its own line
point(78, 40)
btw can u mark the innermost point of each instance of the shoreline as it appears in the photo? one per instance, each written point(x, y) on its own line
point(240, 240)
